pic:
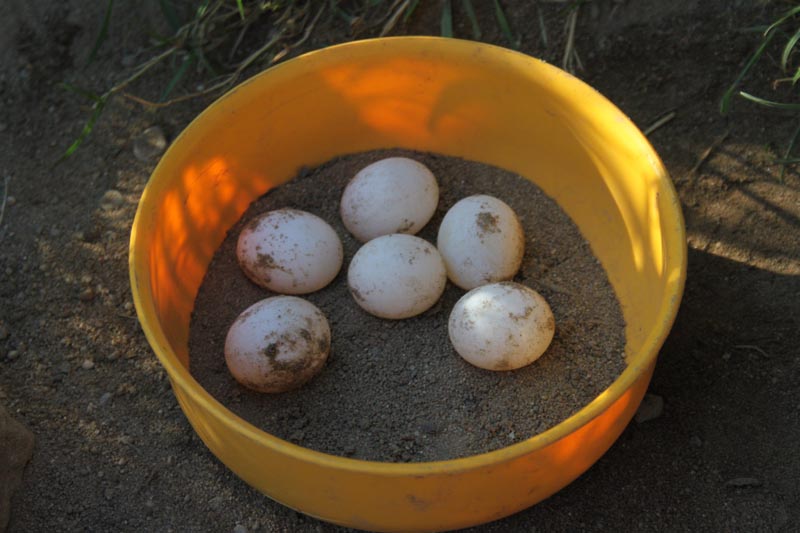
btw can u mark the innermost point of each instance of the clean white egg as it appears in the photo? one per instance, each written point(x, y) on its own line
point(289, 251)
point(393, 195)
point(396, 276)
point(277, 344)
point(501, 326)
point(481, 241)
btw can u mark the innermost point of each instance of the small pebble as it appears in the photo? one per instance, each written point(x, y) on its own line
point(108, 493)
point(11, 200)
point(105, 398)
point(216, 503)
point(743, 482)
point(652, 407)
point(87, 364)
point(128, 60)
point(87, 295)
point(696, 441)
point(429, 428)
point(13, 354)
point(239, 529)
point(112, 199)
point(150, 144)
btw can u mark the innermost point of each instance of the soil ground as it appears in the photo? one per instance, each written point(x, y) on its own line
point(402, 392)
point(115, 453)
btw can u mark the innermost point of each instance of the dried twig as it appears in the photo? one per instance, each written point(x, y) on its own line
point(390, 24)
point(304, 38)
point(752, 347)
point(5, 198)
point(542, 25)
point(664, 119)
point(569, 49)
point(707, 153)
point(555, 287)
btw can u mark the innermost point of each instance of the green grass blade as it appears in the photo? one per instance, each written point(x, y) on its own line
point(240, 6)
point(770, 103)
point(87, 129)
point(787, 50)
point(178, 76)
point(796, 76)
point(168, 9)
point(504, 26)
point(473, 19)
point(202, 9)
point(344, 15)
point(410, 10)
point(103, 35)
point(447, 19)
point(725, 103)
point(789, 14)
point(80, 92)
point(204, 62)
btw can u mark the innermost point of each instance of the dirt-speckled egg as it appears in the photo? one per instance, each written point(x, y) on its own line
point(289, 251)
point(393, 195)
point(277, 344)
point(501, 326)
point(396, 276)
point(481, 241)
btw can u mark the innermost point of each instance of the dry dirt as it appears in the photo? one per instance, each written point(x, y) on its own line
point(113, 451)
point(402, 392)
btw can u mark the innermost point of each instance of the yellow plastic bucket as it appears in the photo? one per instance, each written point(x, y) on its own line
point(457, 98)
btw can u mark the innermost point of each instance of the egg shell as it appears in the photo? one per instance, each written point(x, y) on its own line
point(396, 276)
point(393, 195)
point(481, 241)
point(501, 326)
point(289, 251)
point(277, 344)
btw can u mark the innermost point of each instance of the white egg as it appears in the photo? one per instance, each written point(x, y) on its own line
point(277, 344)
point(501, 326)
point(393, 195)
point(481, 241)
point(289, 251)
point(396, 276)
